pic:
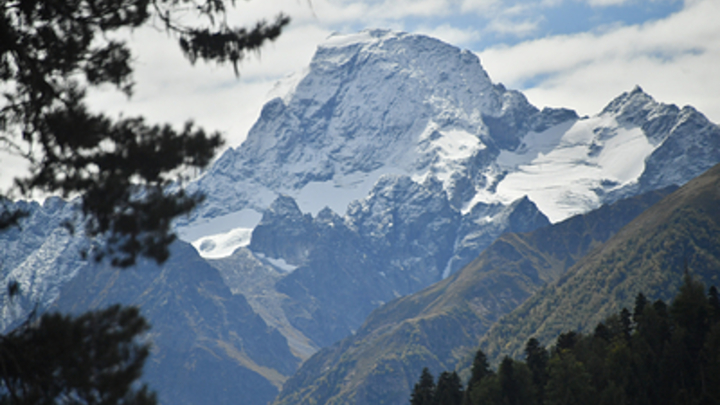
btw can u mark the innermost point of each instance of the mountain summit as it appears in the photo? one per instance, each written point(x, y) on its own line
point(372, 103)
point(382, 102)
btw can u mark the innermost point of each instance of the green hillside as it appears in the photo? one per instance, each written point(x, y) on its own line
point(440, 325)
point(648, 255)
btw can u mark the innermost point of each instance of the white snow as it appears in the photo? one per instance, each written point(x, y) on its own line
point(401, 112)
point(337, 40)
point(338, 192)
point(223, 244)
point(219, 237)
point(278, 263)
point(560, 168)
point(245, 218)
point(281, 264)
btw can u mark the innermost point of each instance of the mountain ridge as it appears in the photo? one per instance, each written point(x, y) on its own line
point(438, 326)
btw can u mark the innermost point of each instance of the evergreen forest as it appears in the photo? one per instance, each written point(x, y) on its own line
point(656, 354)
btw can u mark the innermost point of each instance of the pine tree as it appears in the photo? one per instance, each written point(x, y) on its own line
point(568, 381)
point(95, 358)
point(424, 391)
point(516, 385)
point(449, 390)
point(536, 358)
point(640, 304)
point(479, 371)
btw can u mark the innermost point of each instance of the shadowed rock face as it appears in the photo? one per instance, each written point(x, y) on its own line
point(395, 242)
point(208, 344)
point(440, 325)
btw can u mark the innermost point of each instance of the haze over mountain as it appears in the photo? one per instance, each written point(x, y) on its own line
point(422, 163)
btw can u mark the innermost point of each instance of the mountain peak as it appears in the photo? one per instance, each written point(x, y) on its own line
point(633, 100)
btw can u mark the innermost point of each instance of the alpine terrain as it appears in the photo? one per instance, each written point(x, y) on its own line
point(387, 166)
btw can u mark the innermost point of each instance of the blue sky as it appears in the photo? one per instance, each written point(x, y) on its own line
point(576, 54)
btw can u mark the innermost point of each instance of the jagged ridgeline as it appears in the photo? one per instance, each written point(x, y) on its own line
point(440, 326)
point(653, 354)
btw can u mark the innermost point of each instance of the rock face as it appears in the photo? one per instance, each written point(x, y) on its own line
point(440, 325)
point(40, 255)
point(208, 344)
point(396, 241)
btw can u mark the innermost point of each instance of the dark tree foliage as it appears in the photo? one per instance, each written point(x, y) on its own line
point(424, 391)
point(515, 382)
point(536, 358)
point(480, 370)
point(566, 341)
point(640, 304)
point(714, 302)
point(666, 355)
point(51, 51)
point(449, 390)
point(95, 358)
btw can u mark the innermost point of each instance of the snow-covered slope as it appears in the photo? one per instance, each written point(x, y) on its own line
point(371, 104)
point(387, 103)
point(40, 256)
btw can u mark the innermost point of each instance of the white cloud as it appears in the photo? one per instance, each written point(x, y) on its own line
point(480, 6)
point(505, 26)
point(673, 59)
point(170, 90)
point(451, 35)
point(605, 3)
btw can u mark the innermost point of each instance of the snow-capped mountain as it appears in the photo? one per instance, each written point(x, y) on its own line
point(381, 102)
point(371, 104)
point(394, 161)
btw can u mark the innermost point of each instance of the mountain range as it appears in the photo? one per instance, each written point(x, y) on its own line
point(439, 326)
point(386, 167)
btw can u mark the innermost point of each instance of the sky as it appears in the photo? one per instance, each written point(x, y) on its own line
point(577, 54)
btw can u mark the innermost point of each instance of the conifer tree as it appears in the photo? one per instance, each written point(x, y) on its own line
point(479, 371)
point(449, 390)
point(536, 358)
point(424, 391)
point(568, 381)
point(95, 358)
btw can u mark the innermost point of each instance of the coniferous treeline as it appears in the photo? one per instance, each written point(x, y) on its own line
point(655, 355)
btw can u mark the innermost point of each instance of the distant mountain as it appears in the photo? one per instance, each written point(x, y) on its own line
point(647, 256)
point(208, 344)
point(439, 325)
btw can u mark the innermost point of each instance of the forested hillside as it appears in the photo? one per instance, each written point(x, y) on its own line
point(648, 256)
point(654, 354)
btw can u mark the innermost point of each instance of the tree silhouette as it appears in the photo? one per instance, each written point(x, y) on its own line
point(123, 170)
point(95, 358)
